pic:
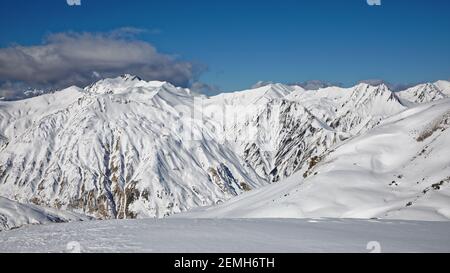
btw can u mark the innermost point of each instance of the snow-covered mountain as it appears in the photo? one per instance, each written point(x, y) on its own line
point(126, 148)
point(286, 131)
point(426, 92)
point(119, 148)
point(398, 170)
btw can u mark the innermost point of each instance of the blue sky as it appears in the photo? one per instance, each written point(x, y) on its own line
point(238, 43)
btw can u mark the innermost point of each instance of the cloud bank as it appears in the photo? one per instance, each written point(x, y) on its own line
point(66, 59)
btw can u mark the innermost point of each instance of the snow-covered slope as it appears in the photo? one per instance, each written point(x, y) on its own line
point(18, 116)
point(230, 236)
point(444, 86)
point(14, 215)
point(400, 170)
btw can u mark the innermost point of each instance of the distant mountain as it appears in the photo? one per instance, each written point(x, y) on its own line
point(426, 92)
point(127, 148)
point(315, 84)
point(25, 94)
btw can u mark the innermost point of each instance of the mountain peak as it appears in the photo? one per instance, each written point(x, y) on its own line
point(425, 92)
point(367, 85)
point(130, 77)
point(125, 83)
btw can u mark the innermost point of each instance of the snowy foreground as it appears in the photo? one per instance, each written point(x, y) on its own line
point(231, 235)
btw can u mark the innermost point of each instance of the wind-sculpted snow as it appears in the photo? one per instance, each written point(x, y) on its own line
point(127, 148)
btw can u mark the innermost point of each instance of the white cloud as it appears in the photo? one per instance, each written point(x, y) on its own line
point(79, 58)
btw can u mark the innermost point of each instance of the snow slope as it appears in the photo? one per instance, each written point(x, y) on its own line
point(400, 169)
point(14, 215)
point(230, 236)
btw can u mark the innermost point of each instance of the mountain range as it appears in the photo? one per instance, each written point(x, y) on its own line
point(128, 148)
